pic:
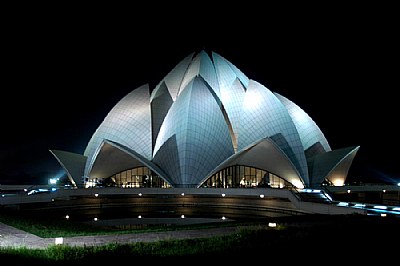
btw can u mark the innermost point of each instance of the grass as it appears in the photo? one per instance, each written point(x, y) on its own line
point(248, 240)
point(295, 239)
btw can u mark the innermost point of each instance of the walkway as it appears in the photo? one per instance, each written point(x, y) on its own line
point(13, 237)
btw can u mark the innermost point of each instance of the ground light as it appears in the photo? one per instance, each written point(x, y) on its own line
point(272, 224)
point(53, 181)
point(58, 240)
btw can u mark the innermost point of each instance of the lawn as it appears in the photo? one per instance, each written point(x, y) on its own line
point(295, 239)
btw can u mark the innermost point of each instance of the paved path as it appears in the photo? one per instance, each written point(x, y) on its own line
point(12, 237)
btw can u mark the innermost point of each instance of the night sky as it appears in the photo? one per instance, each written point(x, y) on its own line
point(61, 76)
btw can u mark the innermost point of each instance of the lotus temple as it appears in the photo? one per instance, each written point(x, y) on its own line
point(206, 124)
point(206, 140)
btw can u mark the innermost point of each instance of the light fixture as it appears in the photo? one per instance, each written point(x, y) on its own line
point(59, 240)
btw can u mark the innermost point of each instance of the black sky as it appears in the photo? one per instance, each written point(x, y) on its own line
point(63, 74)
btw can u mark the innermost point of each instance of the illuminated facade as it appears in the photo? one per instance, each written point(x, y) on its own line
point(206, 124)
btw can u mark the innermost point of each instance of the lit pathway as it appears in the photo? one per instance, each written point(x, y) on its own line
point(12, 237)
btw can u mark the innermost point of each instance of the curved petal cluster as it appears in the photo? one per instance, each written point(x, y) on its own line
point(206, 115)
